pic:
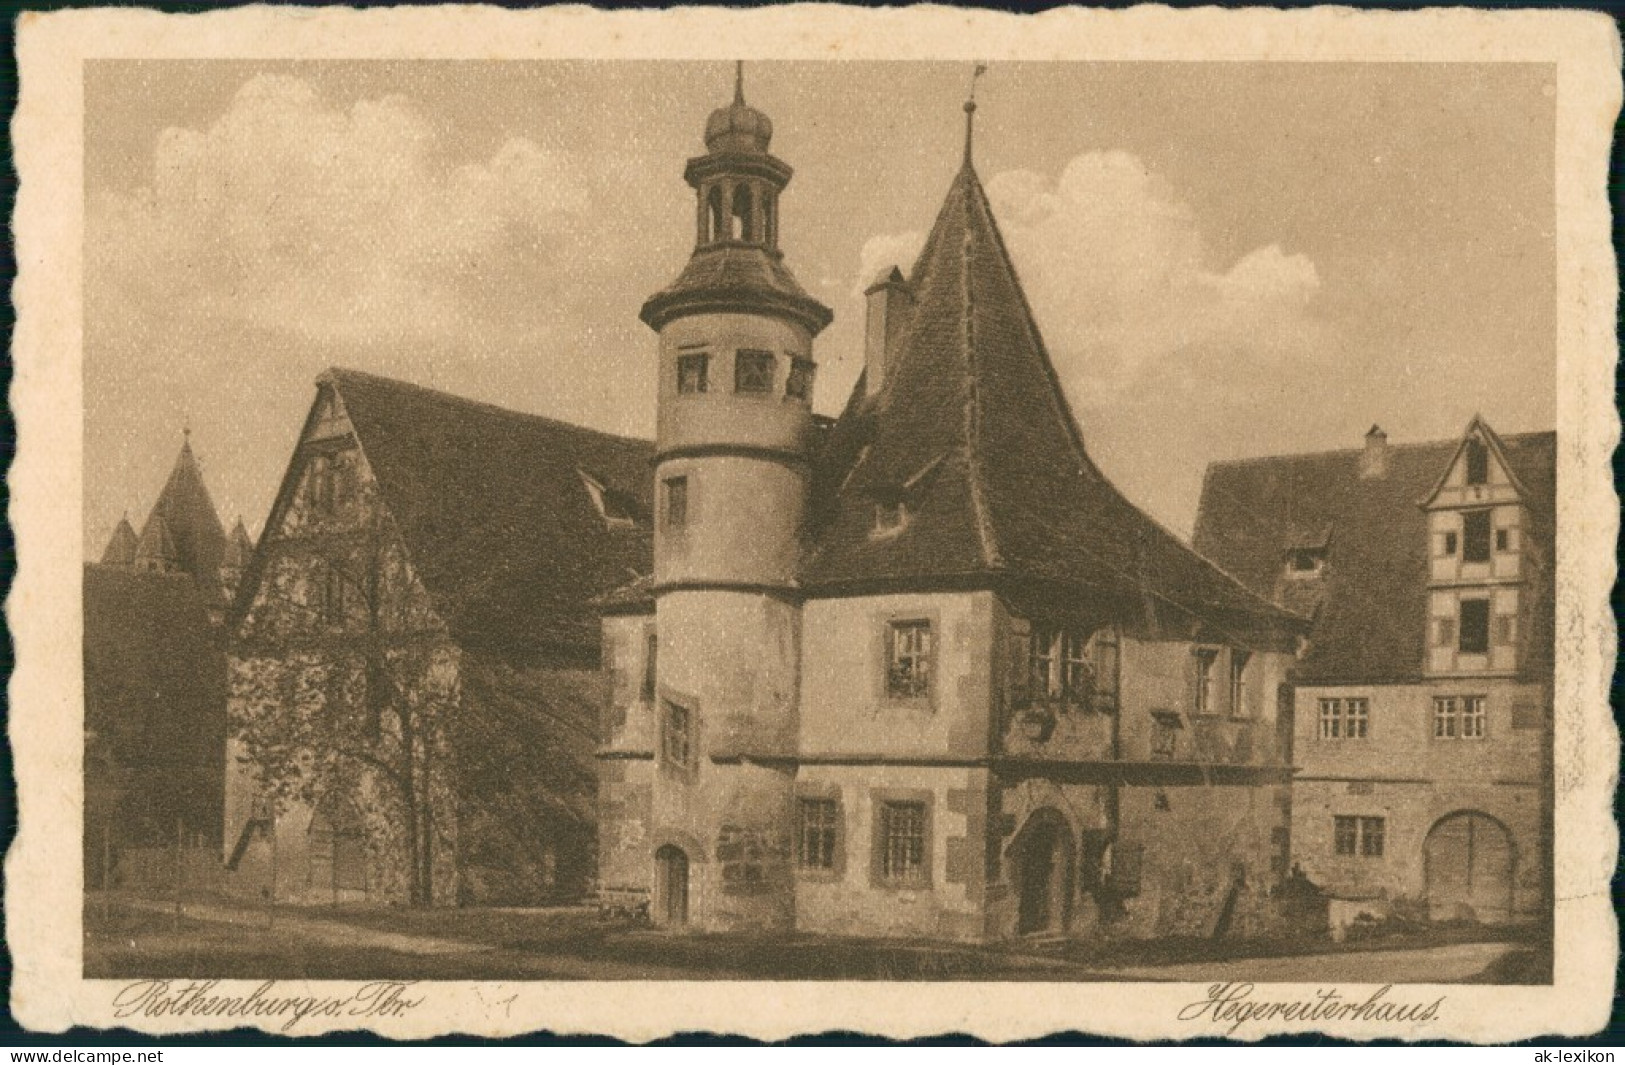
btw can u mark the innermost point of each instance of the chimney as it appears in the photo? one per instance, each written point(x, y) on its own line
point(890, 302)
point(1374, 462)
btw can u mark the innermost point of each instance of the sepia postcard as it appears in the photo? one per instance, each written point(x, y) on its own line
point(905, 521)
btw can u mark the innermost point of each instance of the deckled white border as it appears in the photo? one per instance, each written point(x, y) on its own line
point(43, 882)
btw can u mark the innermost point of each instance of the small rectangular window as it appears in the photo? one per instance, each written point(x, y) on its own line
point(1475, 626)
point(676, 502)
point(1359, 836)
point(1205, 661)
point(1503, 540)
point(908, 666)
point(1238, 684)
point(1475, 541)
point(753, 371)
point(693, 373)
point(1450, 544)
point(676, 735)
point(890, 514)
point(1372, 830)
point(1345, 719)
point(1165, 729)
point(651, 648)
point(799, 384)
point(817, 833)
point(1478, 462)
point(1345, 834)
point(1506, 630)
point(902, 842)
point(1459, 717)
point(1444, 631)
point(334, 596)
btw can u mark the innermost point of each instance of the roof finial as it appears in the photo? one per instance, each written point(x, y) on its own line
point(739, 81)
point(970, 108)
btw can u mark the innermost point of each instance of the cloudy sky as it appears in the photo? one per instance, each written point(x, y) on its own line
point(1225, 259)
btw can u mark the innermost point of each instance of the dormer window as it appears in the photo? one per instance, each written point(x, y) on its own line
point(1305, 561)
point(611, 506)
point(890, 516)
point(693, 373)
point(753, 371)
point(1478, 462)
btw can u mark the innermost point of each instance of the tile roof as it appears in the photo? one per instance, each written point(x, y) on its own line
point(973, 429)
point(498, 522)
point(1371, 598)
point(187, 513)
point(121, 546)
point(736, 277)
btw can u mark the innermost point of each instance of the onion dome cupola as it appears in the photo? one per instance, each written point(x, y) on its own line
point(737, 264)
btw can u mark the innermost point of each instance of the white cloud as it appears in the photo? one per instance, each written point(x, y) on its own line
point(881, 253)
point(1123, 283)
point(292, 214)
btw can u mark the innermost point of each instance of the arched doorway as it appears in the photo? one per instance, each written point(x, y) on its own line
point(1043, 868)
point(1467, 863)
point(336, 851)
point(671, 887)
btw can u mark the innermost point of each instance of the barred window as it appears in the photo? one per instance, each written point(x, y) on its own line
point(1344, 719)
point(817, 833)
point(1459, 717)
point(908, 666)
point(902, 842)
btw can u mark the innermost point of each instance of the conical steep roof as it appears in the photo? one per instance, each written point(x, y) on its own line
point(193, 525)
point(973, 431)
point(121, 547)
point(156, 549)
point(239, 547)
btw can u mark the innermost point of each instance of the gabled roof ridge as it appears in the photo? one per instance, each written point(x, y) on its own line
point(987, 535)
point(1477, 422)
point(339, 373)
point(1412, 445)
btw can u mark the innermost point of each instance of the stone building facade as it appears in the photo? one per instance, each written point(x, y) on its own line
point(920, 670)
point(1424, 703)
point(413, 659)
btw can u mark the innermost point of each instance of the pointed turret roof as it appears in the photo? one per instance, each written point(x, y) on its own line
point(156, 547)
point(199, 540)
point(239, 547)
point(973, 432)
point(121, 548)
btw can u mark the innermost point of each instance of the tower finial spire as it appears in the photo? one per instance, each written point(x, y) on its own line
point(739, 81)
point(970, 109)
